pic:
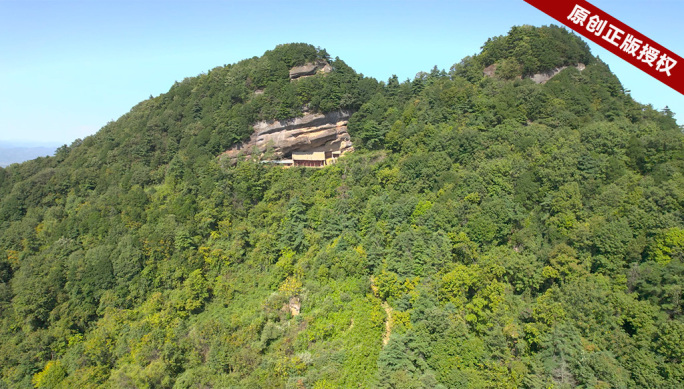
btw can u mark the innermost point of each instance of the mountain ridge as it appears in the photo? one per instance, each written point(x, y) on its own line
point(520, 234)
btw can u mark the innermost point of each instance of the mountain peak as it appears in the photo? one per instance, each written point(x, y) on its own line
point(485, 232)
point(528, 50)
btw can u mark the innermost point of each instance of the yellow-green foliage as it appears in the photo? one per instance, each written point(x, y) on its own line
point(670, 244)
point(51, 376)
point(496, 233)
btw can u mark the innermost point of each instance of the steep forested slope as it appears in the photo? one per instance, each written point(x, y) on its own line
point(487, 232)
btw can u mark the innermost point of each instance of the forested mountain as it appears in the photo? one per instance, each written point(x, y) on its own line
point(487, 232)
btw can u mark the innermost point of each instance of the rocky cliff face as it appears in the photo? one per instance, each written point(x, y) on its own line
point(542, 78)
point(490, 71)
point(310, 69)
point(539, 78)
point(311, 132)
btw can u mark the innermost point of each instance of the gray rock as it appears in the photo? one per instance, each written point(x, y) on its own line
point(312, 132)
point(542, 78)
point(539, 78)
point(310, 69)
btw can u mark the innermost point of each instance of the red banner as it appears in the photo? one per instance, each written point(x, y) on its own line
point(618, 38)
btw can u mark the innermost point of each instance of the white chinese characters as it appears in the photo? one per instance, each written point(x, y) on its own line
point(648, 54)
point(629, 45)
point(596, 25)
point(579, 15)
point(665, 64)
point(613, 34)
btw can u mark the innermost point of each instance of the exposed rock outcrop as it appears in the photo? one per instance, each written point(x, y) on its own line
point(539, 78)
point(295, 306)
point(490, 70)
point(310, 69)
point(312, 132)
point(542, 78)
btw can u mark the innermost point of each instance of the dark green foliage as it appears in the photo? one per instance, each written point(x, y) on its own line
point(292, 229)
point(528, 50)
point(487, 232)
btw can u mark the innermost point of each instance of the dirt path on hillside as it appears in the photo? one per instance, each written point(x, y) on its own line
point(388, 312)
point(388, 324)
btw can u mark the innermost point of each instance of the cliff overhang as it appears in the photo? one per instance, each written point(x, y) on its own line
point(279, 139)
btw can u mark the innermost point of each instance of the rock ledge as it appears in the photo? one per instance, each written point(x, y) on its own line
point(279, 138)
point(310, 69)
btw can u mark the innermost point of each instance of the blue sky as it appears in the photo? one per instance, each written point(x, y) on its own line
point(69, 67)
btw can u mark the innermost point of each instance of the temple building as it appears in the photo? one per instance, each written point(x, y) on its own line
point(314, 158)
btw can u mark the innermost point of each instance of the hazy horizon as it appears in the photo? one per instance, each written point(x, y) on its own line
point(18, 152)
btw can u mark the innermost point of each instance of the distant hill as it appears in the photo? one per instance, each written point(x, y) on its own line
point(515, 221)
point(11, 153)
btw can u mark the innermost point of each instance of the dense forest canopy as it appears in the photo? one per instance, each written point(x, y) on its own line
point(531, 50)
point(487, 232)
